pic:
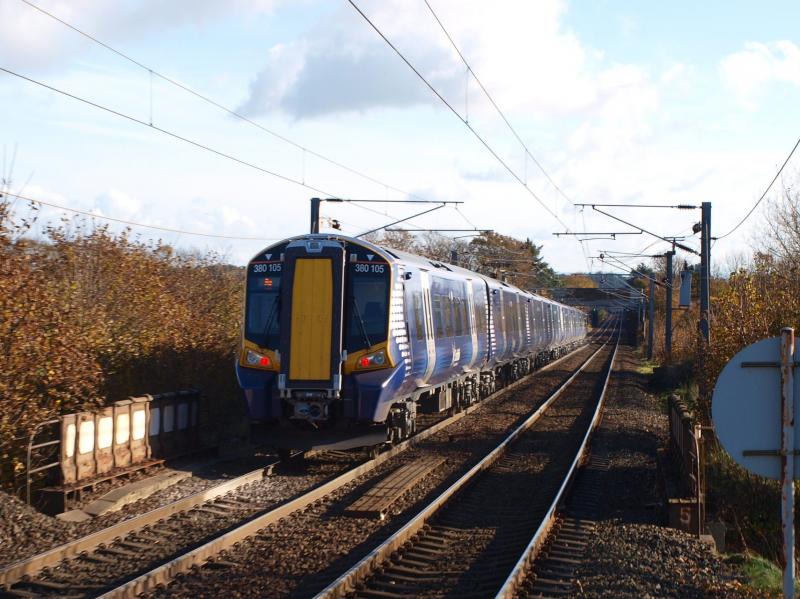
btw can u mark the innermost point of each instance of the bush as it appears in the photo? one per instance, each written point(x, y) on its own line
point(89, 317)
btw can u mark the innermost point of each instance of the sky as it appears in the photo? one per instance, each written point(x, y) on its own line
point(621, 102)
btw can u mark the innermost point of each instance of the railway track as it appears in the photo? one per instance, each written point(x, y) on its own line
point(182, 534)
point(550, 559)
point(550, 571)
point(466, 541)
point(308, 547)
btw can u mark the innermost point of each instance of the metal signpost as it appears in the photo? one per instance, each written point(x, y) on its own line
point(755, 402)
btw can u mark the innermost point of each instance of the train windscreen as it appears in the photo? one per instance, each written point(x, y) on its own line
point(367, 307)
point(262, 325)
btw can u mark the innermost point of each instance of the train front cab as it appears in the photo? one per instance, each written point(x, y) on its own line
point(316, 346)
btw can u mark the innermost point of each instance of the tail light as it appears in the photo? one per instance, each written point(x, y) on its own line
point(255, 359)
point(372, 360)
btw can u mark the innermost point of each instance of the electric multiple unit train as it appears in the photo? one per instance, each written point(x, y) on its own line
point(343, 341)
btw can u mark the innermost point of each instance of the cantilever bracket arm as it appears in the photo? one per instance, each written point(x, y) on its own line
point(402, 220)
point(685, 248)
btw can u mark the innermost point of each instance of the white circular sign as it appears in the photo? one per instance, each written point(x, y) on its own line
point(746, 407)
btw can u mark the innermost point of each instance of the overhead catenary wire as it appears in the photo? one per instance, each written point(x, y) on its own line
point(477, 135)
point(472, 72)
point(182, 138)
point(154, 73)
point(763, 195)
point(528, 153)
point(133, 223)
point(167, 132)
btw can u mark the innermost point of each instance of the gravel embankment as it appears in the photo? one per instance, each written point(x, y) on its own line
point(22, 529)
point(644, 560)
point(24, 532)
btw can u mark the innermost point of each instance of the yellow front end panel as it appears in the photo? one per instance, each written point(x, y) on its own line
point(312, 320)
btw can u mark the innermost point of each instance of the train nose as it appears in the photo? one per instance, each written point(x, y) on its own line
point(311, 335)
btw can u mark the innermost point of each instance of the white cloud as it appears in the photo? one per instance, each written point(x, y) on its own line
point(119, 203)
point(748, 72)
point(519, 50)
point(31, 39)
point(606, 132)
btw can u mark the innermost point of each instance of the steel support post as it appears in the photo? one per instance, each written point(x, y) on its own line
point(787, 457)
point(651, 317)
point(668, 309)
point(705, 272)
point(704, 328)
point(315, 214)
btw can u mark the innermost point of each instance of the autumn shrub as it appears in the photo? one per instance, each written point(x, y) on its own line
point(756, 303)
point(89, 317)
point(47, 364)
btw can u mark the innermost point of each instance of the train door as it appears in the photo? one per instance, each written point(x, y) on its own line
point(512, 321)
point(528, 312)
point(415, 323)
point(311, 329)
point(498, 313)
point(538, 323)
point(471, 324)
point(429, 339)
point(548, 319)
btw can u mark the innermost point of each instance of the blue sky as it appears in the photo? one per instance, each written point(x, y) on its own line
point(620, 101)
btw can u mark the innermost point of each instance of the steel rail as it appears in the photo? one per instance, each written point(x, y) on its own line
point(16, 571)
point(184, 562)
point(347, 581)
point(528, 556)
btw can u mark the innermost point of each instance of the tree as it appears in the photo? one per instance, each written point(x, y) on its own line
point(398, 240)
point(780, 236)
point(520, 262)
point(578, 280)
point(643, 269)
point(499, 256)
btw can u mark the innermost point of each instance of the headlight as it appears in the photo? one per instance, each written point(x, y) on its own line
point(370, 360)
point(255, 359)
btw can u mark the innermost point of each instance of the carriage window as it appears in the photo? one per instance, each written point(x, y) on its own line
point(419, 322)
point(436, 304)
point(447, 313)
point(458, 314)
point(480, 312)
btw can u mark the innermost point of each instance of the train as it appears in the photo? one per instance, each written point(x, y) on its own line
point(344, 342)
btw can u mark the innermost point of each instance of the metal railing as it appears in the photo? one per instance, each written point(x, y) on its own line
point(85, 445)
point(685, 450)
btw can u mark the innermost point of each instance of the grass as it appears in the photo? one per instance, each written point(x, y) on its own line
point(761, 575)
point(647, 367)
